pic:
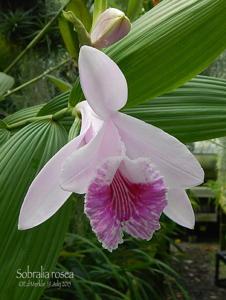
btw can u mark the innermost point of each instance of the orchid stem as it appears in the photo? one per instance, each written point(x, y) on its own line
point(28, 121)
point(54, 117)
point(62, 113)
point(35, 39)
point(35, 79)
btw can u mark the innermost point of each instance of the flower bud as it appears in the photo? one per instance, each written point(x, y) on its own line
point(111, 26)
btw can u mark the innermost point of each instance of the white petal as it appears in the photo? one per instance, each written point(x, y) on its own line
point(179, 208)
point(45, 195)
point(172, 158)
point(139, 170)
point(89, 117)
point(80, 168)
point(103, 83)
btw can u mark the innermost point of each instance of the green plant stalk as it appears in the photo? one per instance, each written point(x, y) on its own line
point(35, 79)
point(27, 121)
point(62, 113)
point(54, 117)
point(36, 38)
point(83, 35)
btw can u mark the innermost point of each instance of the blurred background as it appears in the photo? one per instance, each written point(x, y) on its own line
point(177, 263)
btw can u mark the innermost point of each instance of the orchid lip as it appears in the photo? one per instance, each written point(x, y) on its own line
point(114, 204)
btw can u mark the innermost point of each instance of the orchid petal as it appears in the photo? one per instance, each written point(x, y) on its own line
point(115, 204)
point(103, 83)
point(79, 169)
point(86, 112)
point(45, 195)
point(150, 197)
point(179, 208)
point(103, 220)
point(89, 119)
point(172, 158)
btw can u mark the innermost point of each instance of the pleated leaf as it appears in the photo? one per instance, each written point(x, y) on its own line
point(194, 112)
point(60, 84)
point(4, 136)
point(23, 114)
point(75, 129)
point(6, 82)
point(20, 160)
point(57, 103)
point(4, 133)
point(169, 45)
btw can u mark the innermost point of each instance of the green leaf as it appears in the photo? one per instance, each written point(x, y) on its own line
point(169, 45)
point(3, 124)
point(134, 8)
point(194, 112)
point(57, 103)
point(23, 114)
point(18, 116)
point(62, 85)
point(4, 133)
point(99, 7)
point(20, 160)
point(69, 37)
point(76, 94)
point(79, 8)
point(6, 82)
point(83, 35)
point(75, 129)
point(4, 136)
point(67, 122)
point(61, 101)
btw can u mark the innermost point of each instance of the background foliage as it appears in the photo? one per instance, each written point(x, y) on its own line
point(167, 46)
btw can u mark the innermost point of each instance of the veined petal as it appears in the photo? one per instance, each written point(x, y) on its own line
point(115, 204)
point(80, 168)
point(98, 206)
point(45, 195)
point(179, 208)
point(103, 83)
point(172, 158)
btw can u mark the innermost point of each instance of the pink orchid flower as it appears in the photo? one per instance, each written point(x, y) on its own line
point(130, 171)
